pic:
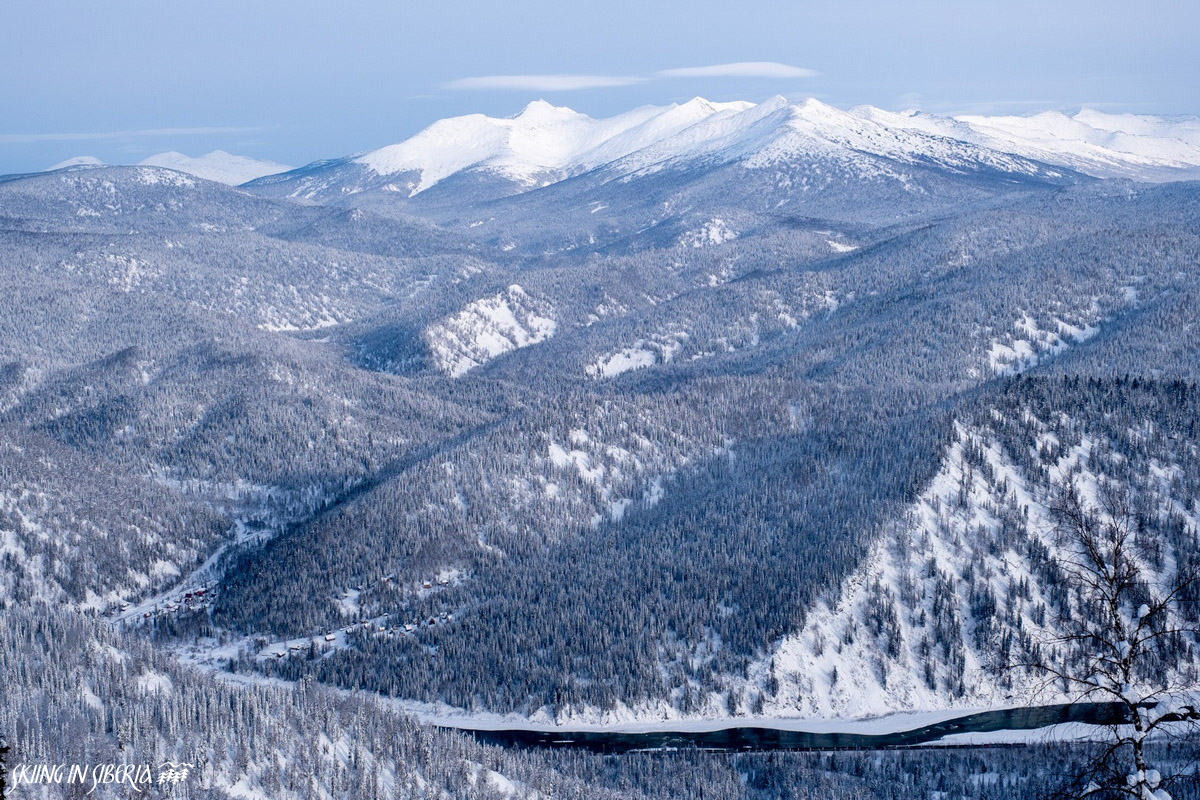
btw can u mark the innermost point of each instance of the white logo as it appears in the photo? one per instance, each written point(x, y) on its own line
point(173, 773)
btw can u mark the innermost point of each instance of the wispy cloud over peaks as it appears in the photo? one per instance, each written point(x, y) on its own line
point(543, 83)
point(570, 82)
point(740, 69)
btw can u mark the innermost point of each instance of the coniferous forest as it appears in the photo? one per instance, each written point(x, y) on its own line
point(802, 414)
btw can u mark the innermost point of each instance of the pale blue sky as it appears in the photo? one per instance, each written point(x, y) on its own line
point(298, 80)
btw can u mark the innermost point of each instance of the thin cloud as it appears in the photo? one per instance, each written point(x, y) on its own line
point(27, 138)
point(543, 83)
point(740, 69)
point(567, 83)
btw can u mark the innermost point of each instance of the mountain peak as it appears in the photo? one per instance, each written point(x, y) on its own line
point(542, 109)
point(698, 103)
point(77, 161)
point(775, 103)
point(812, 107)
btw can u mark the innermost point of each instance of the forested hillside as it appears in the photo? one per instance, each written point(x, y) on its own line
point(735, 411)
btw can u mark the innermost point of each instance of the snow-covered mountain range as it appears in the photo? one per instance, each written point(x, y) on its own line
point(541, 144)
point(720, 410)
point(1093, 142)
point(545, 144)
point(216, 166)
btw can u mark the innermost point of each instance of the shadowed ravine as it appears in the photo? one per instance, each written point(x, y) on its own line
point(759, 738)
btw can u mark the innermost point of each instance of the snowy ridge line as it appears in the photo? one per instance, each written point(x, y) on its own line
point(544, 144)
point(216, 166)
point(835, 662)
point(488, 328)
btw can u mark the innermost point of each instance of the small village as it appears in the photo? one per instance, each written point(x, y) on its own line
point(393, 626)
point(386, 625)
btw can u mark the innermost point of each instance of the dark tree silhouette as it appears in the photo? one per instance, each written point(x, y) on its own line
point(1121, 636)
point(3, 770)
